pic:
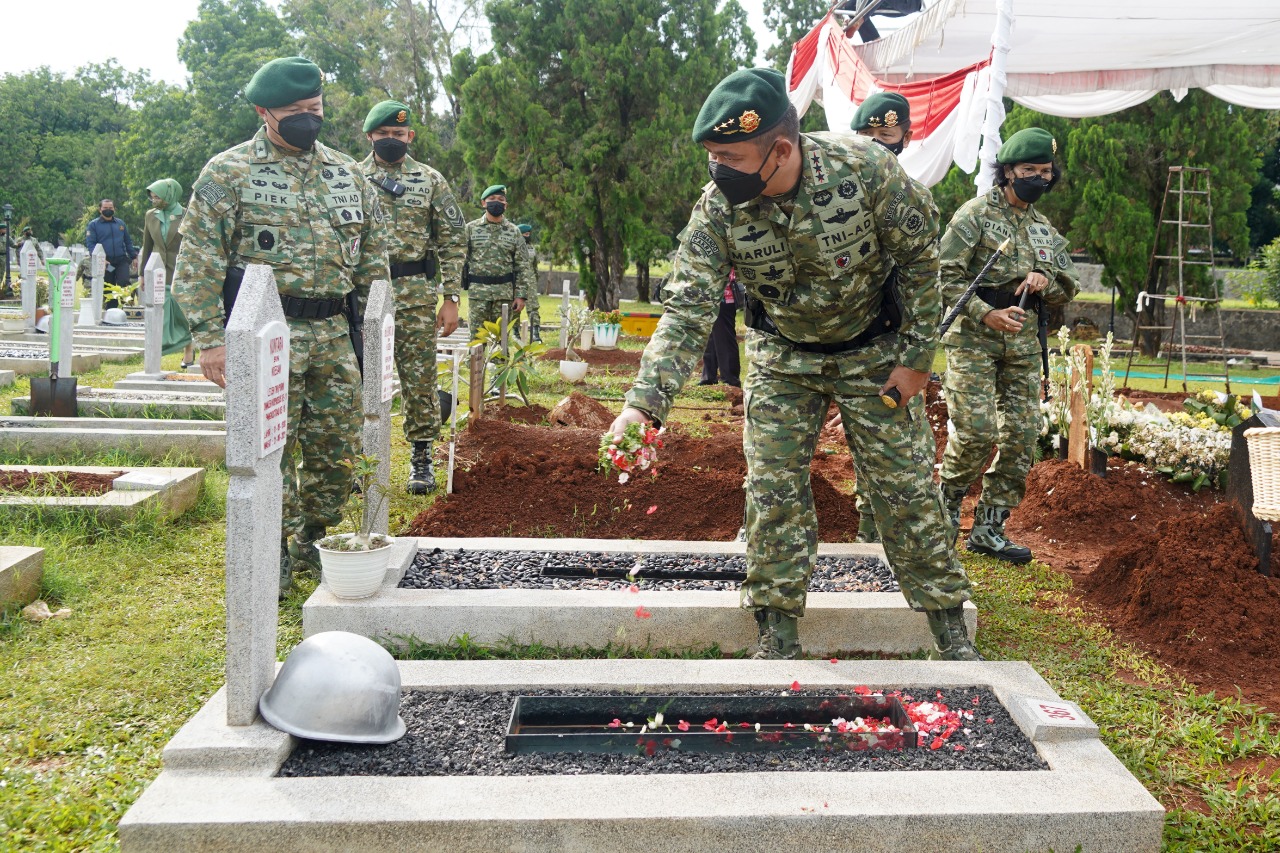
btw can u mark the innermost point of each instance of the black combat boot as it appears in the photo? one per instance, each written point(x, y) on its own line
point(987, 536)
point(950, 636)
point(535, 332)
point(779, 635)
point(422, 476)
point(303, 556)
point(286, 570)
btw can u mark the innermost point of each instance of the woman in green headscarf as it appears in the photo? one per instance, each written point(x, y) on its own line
point(160, 235)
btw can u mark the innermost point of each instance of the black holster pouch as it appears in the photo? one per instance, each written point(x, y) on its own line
point(355, 327)
point(230, 290)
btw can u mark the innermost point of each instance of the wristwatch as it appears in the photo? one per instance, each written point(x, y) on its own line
point(452, 297)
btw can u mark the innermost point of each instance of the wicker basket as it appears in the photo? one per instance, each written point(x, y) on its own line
point(1264, 465)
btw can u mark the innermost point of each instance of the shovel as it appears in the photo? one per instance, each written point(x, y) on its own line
point(54, 396)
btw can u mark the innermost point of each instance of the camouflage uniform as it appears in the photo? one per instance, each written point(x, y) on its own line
point(531, 306)
point(425, 221)
point(992, 383)
point(816, 263)
point(316, 221)
point(495, 250)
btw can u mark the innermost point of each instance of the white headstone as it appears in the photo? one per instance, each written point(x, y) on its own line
point(255, 493)
point(151, 286)
point(30, 262)
point(98, 269)
point(379, 353)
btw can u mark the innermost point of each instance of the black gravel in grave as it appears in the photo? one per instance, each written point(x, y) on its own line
point(462, 569)
point(462, 734)
point(24, 352)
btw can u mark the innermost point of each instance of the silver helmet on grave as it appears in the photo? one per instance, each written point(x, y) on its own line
point(337, 686)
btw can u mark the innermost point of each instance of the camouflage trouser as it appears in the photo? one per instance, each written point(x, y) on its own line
point(325, 420)
point(786, 397)
point(416, 366)
point(533, 309)
point(993, 400)
point(483, 311)
point(866, 516)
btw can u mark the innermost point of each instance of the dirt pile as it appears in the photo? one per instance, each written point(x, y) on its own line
point(630, 358)
point(1191, 590)
point(56, 483)
point(531, 481)
point(515, 414)
point(579, 410)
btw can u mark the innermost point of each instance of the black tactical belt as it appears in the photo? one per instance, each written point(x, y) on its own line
point(311, 309)
point(492, 279)
point(426, 266)
point(875, 330)
point(999, 298)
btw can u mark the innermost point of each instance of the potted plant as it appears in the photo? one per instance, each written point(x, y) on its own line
point(572, 367)
point(608, 325)
point(353, 565)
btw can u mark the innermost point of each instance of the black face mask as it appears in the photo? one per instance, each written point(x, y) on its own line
point(495, 208)
point(738, 187)
point(1030, 189)
point(389, 149)
point(299, 131)
point(107, 214)
point(895, 148)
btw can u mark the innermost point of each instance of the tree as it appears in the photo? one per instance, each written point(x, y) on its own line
point(585, 109)
point(790, 21)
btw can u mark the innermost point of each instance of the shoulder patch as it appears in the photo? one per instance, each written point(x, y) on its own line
point(1063, 261)
point(913, 222)
point(703, 245)
point(211, 192)
point(450, 211)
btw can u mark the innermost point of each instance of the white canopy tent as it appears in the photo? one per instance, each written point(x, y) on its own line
point(1071, 58)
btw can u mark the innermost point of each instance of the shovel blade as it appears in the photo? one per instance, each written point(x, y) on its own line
point(54, 397)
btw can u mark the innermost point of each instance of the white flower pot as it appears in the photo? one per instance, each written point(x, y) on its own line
point(354, 574)
point(606, 335)
point(584, 340)
point(11, 324)
point(573, 371)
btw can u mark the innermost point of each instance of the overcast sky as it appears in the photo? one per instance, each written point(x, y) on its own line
point(92, 31)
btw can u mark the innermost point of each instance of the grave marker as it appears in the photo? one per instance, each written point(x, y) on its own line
point(257, 405)
point(151, 290)
point(30, 263)
point(564, 317)
point(379, 362)
point(1078, 441)
point(98, 271)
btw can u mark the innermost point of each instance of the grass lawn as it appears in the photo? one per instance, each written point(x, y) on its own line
point(87, 703)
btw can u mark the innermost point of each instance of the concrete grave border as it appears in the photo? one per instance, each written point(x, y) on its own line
point(172, 490)
point(218, 791)
point(835, 622)
point(80, 363)
point(112, 402)
point(21, 573)
point(41, 436)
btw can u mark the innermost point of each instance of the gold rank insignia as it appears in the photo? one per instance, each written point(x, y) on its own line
point(1054, 145)
point(891, 119)
point(875, 121)
point(747, 123)
point(401, 116)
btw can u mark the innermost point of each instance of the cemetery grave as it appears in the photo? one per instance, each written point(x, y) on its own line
point(204, 440)
point(125, 403)
point(21, 570)
point(110, 493)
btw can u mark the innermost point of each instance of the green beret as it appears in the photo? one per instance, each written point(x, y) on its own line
point(283, 81)
point(493, 189)
point(883, 109)
point(1029, 145)
point(742, 106)
point(387, 114)
point(525, 229)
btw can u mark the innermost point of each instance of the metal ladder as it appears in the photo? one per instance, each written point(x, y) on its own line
point(1187, 237)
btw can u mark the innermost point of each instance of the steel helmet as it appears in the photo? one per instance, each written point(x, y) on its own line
point(336, 686)
point(114, 317)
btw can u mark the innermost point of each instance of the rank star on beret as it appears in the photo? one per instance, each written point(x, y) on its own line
point(283, 81)
point(883, 109)
point(742, 106)
point(493, 189)
point(387, 114)
point(1029, 145)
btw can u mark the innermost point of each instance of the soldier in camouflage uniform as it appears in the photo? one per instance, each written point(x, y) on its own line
point(993, 352)
point(532, 308)
point(884, 117)
point(302, 208)
point(497, 271)
point(813, 223)
point(426, 232)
